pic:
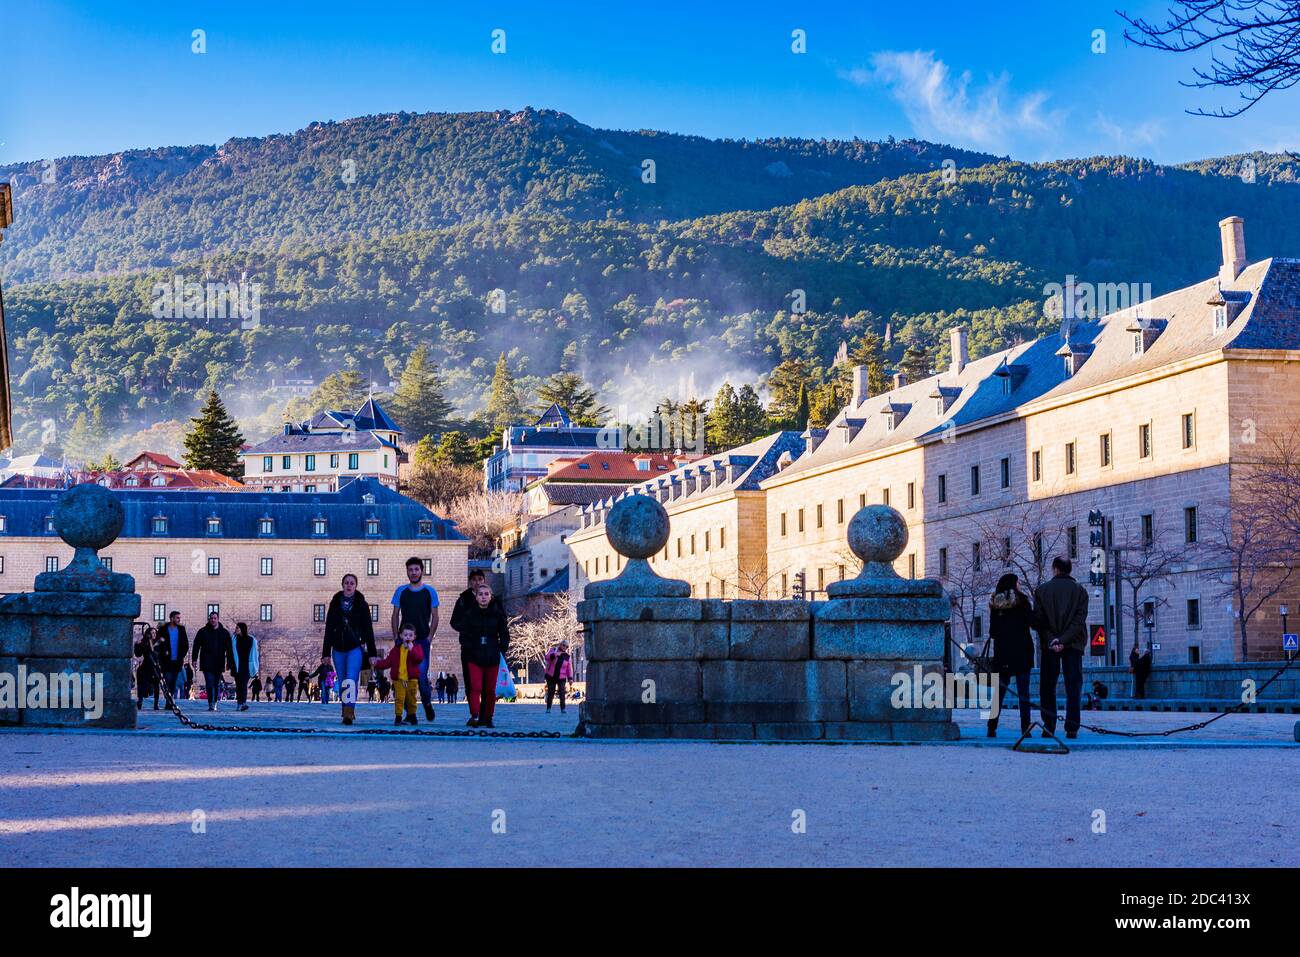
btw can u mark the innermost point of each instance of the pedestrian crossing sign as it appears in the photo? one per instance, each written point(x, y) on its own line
point(1291, 642)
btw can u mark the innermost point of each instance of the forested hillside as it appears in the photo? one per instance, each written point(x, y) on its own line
point(533, 235)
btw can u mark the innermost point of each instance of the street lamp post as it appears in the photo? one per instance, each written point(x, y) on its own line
point(1282, 610)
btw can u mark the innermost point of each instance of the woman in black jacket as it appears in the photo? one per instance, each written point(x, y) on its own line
point(1010, 615)
point(349, 642)
point(146, 678)
point(484, 638)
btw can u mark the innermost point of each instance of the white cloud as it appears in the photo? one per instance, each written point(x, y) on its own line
point(941, 105)
point(1128, 138)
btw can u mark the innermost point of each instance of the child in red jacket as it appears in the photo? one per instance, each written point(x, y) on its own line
point(404, 664)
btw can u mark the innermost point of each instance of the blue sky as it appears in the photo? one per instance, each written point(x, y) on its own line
point(1004, 76)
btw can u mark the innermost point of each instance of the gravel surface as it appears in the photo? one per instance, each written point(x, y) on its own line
point(123, 799)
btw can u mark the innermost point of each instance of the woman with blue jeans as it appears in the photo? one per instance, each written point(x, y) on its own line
point(349, 642)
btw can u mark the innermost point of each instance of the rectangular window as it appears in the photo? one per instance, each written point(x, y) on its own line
point(1105, 450)
point(819, 516)
point(265, 614)
point(265, 566)
point(839, 511)
point(785, 585)
point(1036, 466)
point(722, 538)
point(1193, 654)
point(319, 526)
point(265, 526)
point(334, 460)
point(214, 609)
point(160, 525)
point(309, 463)
point(159, 612)
point(4, 524)
point(374, 612)
point(821, 579)
point(106, 562)
point(1189, 430)
point(911, 495)
point(214, 526)
point(1148, 529)
point(1069, 458)
point(1193, 613)
point(977, 627)
point(862, 500)
point(976, 556)
point(372, 526)
point(2, 564)
point(1189, 525)
point(317, 612)
point(707, 541)
point(974, 479)
point(427, 565)
point(268, 463)
point(783, 531)
point(943, 489)
point(214, 566)
point(943, 563)
point(679, 540)
point(286, 462)
point(1144, 440)
point(692, 543)
point(372, 566)
point(911, 565)
point(160, 566)
point(800, 520)
point(1005, 473)
point(354, 460)
point(884, 496)
point(1072, 541)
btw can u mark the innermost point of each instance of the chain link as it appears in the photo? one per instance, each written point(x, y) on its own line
point(189, 722)
point(1096, 729)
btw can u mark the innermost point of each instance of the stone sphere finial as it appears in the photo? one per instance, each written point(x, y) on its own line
point(88, 516)
point(637, 526)
point(877, 534)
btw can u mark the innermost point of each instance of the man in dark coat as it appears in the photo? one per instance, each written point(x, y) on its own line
point(212, 652)
point(173, 646)
point(1140, 664)
point(1061, 616)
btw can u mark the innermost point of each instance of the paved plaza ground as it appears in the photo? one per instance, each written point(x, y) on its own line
point(1222, 796)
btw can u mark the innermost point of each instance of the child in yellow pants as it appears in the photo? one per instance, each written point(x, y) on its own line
point(403, 661)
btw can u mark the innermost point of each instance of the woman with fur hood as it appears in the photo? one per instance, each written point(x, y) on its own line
point(1010, 615)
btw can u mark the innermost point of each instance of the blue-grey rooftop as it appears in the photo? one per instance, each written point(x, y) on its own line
point(362, 510)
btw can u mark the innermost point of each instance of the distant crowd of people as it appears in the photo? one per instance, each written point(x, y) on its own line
point(348, 650)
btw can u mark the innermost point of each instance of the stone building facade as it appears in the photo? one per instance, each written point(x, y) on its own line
point(1148, 416)
point(278, 578)
point(719, 541)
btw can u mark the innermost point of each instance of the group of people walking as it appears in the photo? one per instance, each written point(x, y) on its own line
point(348, 648)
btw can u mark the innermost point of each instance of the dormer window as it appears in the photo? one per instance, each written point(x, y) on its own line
point(425, 526)
point(132, 481)
point(49, 524)
point(1145, 332)
point(214, 525)
point(372, 526)
point(1137, 343)
point(159, 525)
point(4, 524)
point(158, 481)
point(319, 526)
point(1220, 318)
point(265, 526)
point(1010, 375)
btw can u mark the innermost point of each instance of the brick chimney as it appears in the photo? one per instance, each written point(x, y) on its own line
point(960, 350)
point(1232, 237)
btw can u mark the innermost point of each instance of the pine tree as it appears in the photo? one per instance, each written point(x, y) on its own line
point(213, 440)
point(869, 352)
point(455, 448)
point(345, 391)
point(570, 393)
point(694, 417)
point(788, 385)
point(915, 364)
point(504, 407)
point(420, 402)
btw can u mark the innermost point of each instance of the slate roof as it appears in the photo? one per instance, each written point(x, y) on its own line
point(1270, 319)
point(576, 493)
point(319, 442)
point(738, 469)
point(292, 513)
point(610, 466)
point(533, 438)
point(555, 585)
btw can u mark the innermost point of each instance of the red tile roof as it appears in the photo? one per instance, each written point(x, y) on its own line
point(155, 459)
point(613, 466)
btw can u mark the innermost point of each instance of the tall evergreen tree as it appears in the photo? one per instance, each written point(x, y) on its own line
point(569, 392)
point(869, 351)
point(788, 384)
point(504, 407)
point(736, 417)
point(213, 440)
point(915, 363)
point(344, 390)
point(420, 402)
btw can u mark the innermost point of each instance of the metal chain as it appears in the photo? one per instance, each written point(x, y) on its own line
point(1096, 729)
point(189, 722)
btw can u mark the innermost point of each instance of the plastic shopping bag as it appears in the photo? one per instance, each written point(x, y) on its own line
point(505, 681)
